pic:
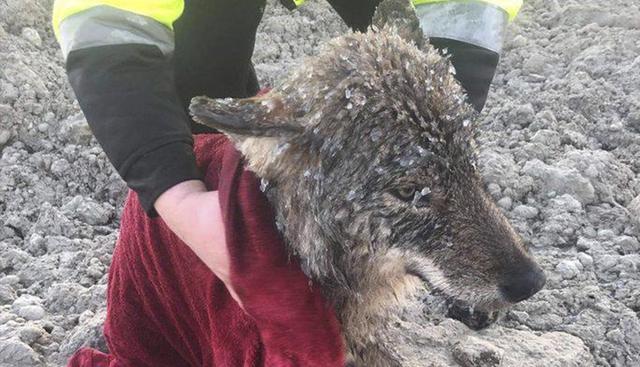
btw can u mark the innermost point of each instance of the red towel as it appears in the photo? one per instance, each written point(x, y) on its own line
point(166, 308)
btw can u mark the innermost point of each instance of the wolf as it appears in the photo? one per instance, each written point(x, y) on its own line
point(367, 153)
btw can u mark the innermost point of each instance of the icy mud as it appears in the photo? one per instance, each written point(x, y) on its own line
point(560, 149)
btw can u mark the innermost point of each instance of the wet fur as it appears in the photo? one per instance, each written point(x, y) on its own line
point(374, 115)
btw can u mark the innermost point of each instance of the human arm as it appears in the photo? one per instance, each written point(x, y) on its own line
point(193, 214)
point(120, 66)
point(472, 33)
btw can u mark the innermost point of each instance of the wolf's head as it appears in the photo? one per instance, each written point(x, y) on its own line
point(369, 156)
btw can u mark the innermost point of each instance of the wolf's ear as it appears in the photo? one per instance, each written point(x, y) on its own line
point(262, 116)
point(260, 127)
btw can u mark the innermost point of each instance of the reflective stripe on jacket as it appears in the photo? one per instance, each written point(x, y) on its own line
point(163, 11)
point(89, 23)
point(510, 6)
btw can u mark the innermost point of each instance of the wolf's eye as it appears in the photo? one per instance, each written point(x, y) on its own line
point(405, 193)
point(417, 197)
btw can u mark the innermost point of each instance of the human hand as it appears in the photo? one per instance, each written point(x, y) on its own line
point(194, 215)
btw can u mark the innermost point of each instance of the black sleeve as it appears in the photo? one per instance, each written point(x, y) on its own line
point(128, 96)
point(357, 14)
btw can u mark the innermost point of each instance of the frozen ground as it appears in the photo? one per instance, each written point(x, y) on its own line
point(560, 152)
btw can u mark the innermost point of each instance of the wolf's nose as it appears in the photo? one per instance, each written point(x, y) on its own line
point(523, 284)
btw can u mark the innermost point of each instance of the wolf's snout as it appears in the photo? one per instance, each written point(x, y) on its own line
point(523, 284)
